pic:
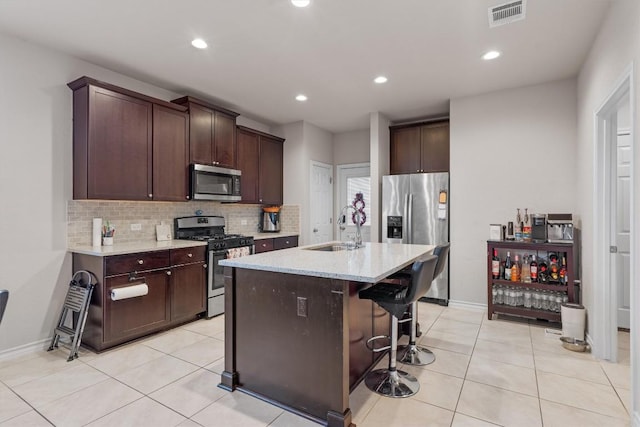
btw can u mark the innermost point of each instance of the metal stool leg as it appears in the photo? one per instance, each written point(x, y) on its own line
point(412, 354)
point(392, 382)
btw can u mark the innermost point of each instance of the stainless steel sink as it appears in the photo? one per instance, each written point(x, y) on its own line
point(333, 247)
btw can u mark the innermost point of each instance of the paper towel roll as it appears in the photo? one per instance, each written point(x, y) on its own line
point(96, 232)
point(129, 292)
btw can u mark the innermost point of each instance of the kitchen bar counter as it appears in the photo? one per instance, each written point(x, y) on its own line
point(133, 247)
point(296, 330)
point(369, 264)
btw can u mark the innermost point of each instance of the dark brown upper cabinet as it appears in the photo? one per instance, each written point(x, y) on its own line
point(418, 148)
point(260, 158)
point(212, 132)
point(127, 146)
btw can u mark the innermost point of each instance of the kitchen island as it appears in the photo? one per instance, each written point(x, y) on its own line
point(295, 329)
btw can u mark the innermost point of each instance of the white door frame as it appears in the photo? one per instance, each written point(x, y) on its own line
point(308, 231)
point(605, 294)
point(340, 170)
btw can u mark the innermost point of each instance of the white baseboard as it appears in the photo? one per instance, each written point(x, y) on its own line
point(636, 419)
point(467, 305)
point(33, 347)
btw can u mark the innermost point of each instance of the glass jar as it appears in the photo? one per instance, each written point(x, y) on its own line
point(494, 295)
point(519, 298)
point(527, 299)
point(513, 298)
point(558, 302)
point(537, 302)
point(500, 298)
point(545, 301)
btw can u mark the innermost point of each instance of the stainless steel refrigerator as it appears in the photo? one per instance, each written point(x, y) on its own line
point(415, 209)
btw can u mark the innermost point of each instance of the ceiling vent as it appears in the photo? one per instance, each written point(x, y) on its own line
point(507, 13)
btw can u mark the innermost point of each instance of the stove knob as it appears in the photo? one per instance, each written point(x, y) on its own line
point(242, 242)
point(223, 245)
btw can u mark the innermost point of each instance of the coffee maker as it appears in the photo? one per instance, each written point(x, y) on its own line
point(560, 228)
point(538, 228)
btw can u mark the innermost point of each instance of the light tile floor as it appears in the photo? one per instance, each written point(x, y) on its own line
point(486, 373)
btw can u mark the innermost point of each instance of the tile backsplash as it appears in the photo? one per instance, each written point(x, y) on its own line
point(239, 218)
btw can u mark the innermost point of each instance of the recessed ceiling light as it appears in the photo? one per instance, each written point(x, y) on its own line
point(301, 98)
point(199, 43)
point(300, 3)
point(492, 54)
point(380, 79)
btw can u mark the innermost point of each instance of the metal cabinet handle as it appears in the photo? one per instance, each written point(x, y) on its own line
point(204, 265)
point(168, 273)
point(150, 195)
point(140, 262)
point(190, 255)
point(286, 242)
point(264, 245)
point(187, 197)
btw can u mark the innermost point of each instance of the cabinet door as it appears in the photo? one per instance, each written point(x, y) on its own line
point(405, 150)
point(133, 317)
point(200, 135)
point(248, 163)
point(188, 289)
point(435, 147)
point(225, 140)
point(271, 164)
point(120, 132)
point(264, 245)
point(285, 242)
point(170, 154)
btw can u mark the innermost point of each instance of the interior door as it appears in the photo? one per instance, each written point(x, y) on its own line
point(621, 259)
point(354, 179)
point(321, 203)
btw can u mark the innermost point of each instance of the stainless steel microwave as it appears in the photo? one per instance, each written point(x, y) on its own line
point(214, 183)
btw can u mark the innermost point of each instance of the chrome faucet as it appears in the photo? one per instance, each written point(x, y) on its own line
point(342, 220)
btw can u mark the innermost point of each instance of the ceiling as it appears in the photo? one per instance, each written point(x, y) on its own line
point(262, 53)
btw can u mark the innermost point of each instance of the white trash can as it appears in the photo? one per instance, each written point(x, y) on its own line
point(573, 318)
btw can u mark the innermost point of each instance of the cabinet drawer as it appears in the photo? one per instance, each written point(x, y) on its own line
point(121, 264)
point(264, 245)
point(187, 255)
point(285, 242)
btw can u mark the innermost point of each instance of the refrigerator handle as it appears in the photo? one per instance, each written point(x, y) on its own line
point(409, 216)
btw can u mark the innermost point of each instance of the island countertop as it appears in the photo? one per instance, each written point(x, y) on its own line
point(370, 263)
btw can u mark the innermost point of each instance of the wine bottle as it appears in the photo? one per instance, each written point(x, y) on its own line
point(495, 265)
point(525, 276)
point(563, 272)
point(515, 270)
point(507, 266)
point(533, 267)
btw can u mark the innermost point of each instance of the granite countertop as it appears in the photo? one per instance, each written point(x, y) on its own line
point(260, 236)
point(134, 247)
point(370, 264)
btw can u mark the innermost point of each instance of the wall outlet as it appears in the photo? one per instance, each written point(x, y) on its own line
point(243, 222)
point(136, 227)
point(303, 309)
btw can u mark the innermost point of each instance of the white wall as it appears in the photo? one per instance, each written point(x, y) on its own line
point(509, 149)
point(379, 142)
point(351, 147)
point(304, 142)
point(615, 48)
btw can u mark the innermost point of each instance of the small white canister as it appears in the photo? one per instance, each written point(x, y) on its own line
point(573, 320)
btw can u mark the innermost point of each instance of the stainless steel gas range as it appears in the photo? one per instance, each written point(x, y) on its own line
point(219, 246)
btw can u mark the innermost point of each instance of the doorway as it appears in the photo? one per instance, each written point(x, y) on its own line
point(613, 212)
point(352, 179)
point(321, 203)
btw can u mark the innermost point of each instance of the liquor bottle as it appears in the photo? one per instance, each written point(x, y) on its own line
point(543, 273)
point(515, 270)
point(526, 228)
point(507, 266)
point(563, 271)
point(554, 269)
point(533, 267)
point(525, 276)
point(495, 265)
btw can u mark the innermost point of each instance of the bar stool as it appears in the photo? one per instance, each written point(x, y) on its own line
point(396, 299)
point(413, 354)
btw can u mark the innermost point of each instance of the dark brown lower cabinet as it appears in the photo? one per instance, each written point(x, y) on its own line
point(176, 282)
point(135, 317)
point(267, 245)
